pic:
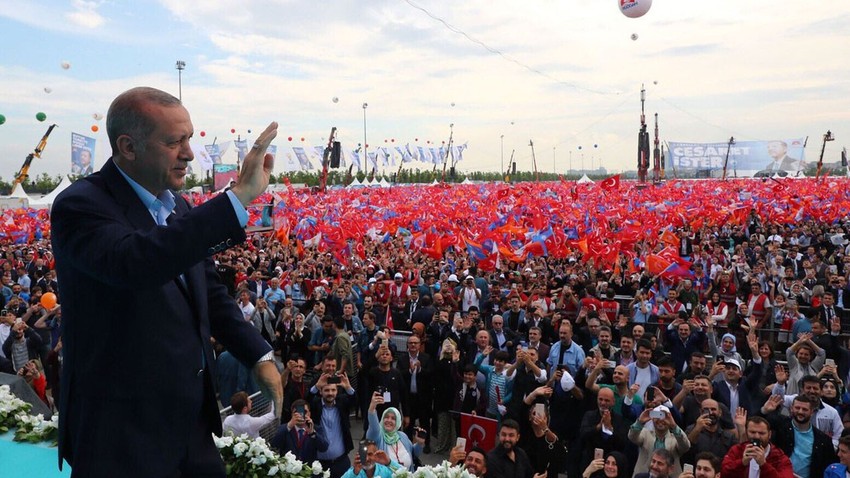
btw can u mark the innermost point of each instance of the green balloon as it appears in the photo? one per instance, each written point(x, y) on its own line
point(40, 116)
point(2, 119)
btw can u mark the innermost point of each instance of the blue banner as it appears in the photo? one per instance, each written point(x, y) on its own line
point(746, 158)
point(82, 154)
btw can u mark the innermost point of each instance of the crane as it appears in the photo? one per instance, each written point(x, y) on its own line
point(23, 174)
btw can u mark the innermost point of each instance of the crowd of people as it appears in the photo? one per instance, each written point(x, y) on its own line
point(738, 366)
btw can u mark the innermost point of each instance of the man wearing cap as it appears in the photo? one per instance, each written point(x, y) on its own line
point(469, 294)
point(736, 390)
point(399, 293)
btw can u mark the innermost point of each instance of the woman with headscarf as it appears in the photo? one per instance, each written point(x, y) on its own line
point(726, 349)
point(615, 465)
point(388, 436)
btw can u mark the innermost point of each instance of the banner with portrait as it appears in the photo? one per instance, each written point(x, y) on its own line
point(781, 157)
point(82, 154)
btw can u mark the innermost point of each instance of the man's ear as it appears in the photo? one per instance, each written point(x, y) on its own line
point(126, 147)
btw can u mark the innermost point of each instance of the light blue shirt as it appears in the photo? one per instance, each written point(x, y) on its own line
point(381, 471)
point(160, 207)
point(801, 458)
point(333, 433)
point(573, 357)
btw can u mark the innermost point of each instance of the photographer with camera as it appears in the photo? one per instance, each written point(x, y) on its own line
point(665, 432)
point(706, 434)
point(22, 345)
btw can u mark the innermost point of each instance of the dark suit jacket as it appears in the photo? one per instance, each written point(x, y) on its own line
point(287, 440)
point(136, 340)
point(424, 379)
point(747, 398)
point(343, 403)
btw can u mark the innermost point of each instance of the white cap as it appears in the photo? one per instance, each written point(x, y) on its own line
point(372, 280)
point(398, 276)
point(469, 277)
point(734, 362)
point(453, 278)
point(381, 273)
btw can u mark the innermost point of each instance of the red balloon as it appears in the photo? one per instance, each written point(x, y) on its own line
point(94, 128)
point(232, 130)
point(290, 138)
point(48, 300)
point(203, 133)
point(385, 141)
point(367, 145)
point(417, 139)
point(428, 142)
point(392, 140)
point(302, 139)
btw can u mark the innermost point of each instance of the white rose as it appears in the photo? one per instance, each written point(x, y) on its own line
point(239, 449)
point(316, 467)
point(274, 470)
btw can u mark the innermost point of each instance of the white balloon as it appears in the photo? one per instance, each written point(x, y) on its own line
point(335, 99)
point(48, 89)
point(634, 36)
point(655, 82)
point(66, 65)
point(634, 8)
point(453, 103)
point(97, 116)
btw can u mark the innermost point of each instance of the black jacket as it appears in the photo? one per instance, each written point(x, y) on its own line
point(823, 453)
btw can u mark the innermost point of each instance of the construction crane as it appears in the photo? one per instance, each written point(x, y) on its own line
point(23, 174)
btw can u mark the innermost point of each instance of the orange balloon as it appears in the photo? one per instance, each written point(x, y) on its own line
point(48, 300)
point(94, 128)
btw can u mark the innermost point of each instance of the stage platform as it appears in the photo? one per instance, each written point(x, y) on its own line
point(27, 460)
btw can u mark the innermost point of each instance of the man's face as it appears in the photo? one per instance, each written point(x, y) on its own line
point(667, 374)
point(604, 338)
point(697, 364)
point(828, 300)
point(438, 300)
point(643, 356)
point(593, 326)
point(473, 315)
point(385, 357)
point(671, 295)
point(812, 390)
point(732, 373)
point(605, 399)
point(497, 323)
point(482, 338)
point(469, 377)
point(475, 463)
point(515, 303)
point(801, 412)
point(637, 332)
point(534, 335)
point(804, 355)
point(621, 375)
point(703, 469)
point(565, 333)
point(444, 316)
point(367, 302)
point(298, 369)
point(329, 393)
point(844, 454)
point(160, 162)
point(508, 438)
point(776, 149)
point(758, 431)
point(626, 344)
point(348, 310)
point(658, 466)
point(413, 345)
point(327, 326)
point(329, 366)
point(684, 331)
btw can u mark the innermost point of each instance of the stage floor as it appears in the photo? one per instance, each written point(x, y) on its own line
point(26, 460)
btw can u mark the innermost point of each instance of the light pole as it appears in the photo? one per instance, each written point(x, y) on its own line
point(181, 65)
point(365, 146)
point(502, 164)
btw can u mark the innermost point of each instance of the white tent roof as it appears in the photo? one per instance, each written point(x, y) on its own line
point(48, 199)
point(435, 182)
point(355, 183)
point(19, 192)
point(466, 181)
point(585, 179)
point(384, 183)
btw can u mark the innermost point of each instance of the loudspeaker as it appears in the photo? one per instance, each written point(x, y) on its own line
point(335, 154)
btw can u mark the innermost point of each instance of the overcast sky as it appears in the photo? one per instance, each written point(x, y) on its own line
point(562, 73)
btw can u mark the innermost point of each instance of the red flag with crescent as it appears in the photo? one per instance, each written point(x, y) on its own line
point(478, 431)
point(610, 183)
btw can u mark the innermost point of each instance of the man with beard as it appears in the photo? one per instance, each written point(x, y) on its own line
point(507, 460)
point(474, 462)
point(755, 457)
point(603, 428)
point(701, 389)
point(660, 465)
point(824, 417)
point(707, 435)
point(809, 449)
point(624, 395)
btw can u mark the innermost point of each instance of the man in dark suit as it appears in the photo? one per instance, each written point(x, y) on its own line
point(299, 435)
point(331, 417)
point(743, 384)
point(417, 369)
point(141, 299)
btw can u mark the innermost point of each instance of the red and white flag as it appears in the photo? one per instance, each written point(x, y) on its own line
point(610, 183)
point(478, 431)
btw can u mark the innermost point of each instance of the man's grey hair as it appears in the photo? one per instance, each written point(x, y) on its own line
point(126, 115)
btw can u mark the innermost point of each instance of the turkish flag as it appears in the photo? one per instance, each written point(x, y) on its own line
point(478, 431)
point(611, 183)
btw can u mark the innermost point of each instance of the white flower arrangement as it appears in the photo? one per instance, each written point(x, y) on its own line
point(10, 407)
point(443, 470)
point(35, 429)
point(244, 456)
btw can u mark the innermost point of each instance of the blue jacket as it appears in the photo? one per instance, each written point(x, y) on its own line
point(374, 434)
